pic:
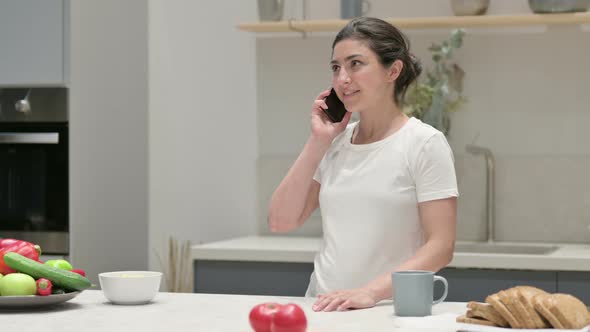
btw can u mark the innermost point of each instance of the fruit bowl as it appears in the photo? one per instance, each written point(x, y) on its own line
point(130, 287)
point(35, 300)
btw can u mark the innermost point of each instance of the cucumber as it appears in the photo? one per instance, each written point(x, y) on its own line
point(60, 278)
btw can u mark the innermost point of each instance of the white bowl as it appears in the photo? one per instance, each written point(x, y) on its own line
point(130, 287)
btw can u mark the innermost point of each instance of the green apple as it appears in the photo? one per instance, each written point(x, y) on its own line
point(17, 284)
point(60, 264)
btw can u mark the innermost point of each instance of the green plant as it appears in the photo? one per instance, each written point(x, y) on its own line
point(434, 96)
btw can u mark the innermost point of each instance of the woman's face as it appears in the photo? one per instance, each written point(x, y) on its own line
point(360, 80)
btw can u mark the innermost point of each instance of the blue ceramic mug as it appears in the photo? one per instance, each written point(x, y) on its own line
point(413, 292)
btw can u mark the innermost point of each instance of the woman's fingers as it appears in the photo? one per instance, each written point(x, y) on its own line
point(320, 304)
point(324, 94)
point(335, 303)
point(320, 104)
point(345, 305)
point(331, 301)
point(343, 300)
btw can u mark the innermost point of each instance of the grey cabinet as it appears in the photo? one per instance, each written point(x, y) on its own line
point(252, 278)
point(291, 279)
point(475, 284)
point(32, 42)
point(575, 283)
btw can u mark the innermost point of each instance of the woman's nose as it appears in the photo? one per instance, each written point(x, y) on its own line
point(343, 76)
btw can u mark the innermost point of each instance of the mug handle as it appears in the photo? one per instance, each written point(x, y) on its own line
point(444, 296)
point(366, 10)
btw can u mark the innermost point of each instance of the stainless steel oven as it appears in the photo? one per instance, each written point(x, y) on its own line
point(34, 161)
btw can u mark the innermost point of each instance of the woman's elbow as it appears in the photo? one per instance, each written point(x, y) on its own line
point(449, 257)
point(447, 254)
point(442, 253)
point(279, 225)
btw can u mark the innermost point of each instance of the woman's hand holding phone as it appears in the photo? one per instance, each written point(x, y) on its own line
point(321, 126)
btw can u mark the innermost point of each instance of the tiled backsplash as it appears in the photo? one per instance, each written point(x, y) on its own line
point(543, 198)
point(528, 208)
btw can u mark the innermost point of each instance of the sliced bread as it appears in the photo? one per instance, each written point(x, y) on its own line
point(487, 312)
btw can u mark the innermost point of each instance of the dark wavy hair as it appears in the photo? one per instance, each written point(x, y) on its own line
point(389, 43)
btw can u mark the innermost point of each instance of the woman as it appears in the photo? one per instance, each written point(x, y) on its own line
point(386, 184)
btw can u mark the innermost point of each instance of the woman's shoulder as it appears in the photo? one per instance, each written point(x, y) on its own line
point(420, 132)
point(426, 142)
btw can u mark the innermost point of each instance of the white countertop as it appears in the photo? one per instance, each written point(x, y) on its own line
point(569, 257)
point(90, 312)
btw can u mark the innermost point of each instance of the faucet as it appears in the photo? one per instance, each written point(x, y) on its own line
point(490, 191)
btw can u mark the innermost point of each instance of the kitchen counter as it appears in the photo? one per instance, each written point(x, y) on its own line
point(90, 312)
point(569, 257)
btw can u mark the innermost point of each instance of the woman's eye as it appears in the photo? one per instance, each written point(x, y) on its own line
point(354, 63)
point(335, 68)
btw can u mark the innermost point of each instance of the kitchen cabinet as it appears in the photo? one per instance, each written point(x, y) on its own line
point(257, 278)
point(476, 284)
point(291, 279)
point(576, 283)
point(32, 42)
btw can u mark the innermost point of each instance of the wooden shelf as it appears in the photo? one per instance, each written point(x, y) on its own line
point(437, 22)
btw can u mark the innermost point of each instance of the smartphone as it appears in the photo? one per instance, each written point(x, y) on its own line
point(336, 110)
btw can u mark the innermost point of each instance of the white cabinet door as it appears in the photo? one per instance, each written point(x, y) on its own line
point(31, 42)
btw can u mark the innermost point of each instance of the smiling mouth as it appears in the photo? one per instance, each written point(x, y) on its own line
point(351, 93)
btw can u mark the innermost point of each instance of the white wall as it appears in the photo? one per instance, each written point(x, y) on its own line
point(108, 135)
point(528, 102)
point(201, 119)
point(202, 126)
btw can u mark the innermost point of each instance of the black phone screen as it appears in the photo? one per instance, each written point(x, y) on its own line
point(336, 110)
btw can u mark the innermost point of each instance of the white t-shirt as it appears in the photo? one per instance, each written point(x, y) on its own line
point(369, 199)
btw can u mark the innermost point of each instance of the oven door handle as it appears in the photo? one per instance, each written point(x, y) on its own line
point(29, 138)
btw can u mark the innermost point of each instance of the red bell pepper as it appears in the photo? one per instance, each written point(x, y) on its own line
point(44, 286)
point(79, 271)
point(24, 248)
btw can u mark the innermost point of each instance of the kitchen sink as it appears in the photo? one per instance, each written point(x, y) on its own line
point(500, 248)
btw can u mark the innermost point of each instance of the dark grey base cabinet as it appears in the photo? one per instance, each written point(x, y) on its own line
point(291, 279)
point(575, 283)
point(475, 284)
point(252, 278)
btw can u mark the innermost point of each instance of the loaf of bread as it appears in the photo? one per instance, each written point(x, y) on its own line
point(525, 296)
point(474, 320)
point(500, 301)
point(486, 312)
point(527, 307)
point(563, 311)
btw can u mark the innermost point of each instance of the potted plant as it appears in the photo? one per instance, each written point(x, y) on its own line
point(439, 93)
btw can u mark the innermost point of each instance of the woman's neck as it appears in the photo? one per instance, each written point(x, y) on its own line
point(377, 124)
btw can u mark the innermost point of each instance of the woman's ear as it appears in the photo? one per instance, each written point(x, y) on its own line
point(395, 70)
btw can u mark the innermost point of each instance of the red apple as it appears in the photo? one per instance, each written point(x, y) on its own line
point(289, 318)
point(261, 316)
